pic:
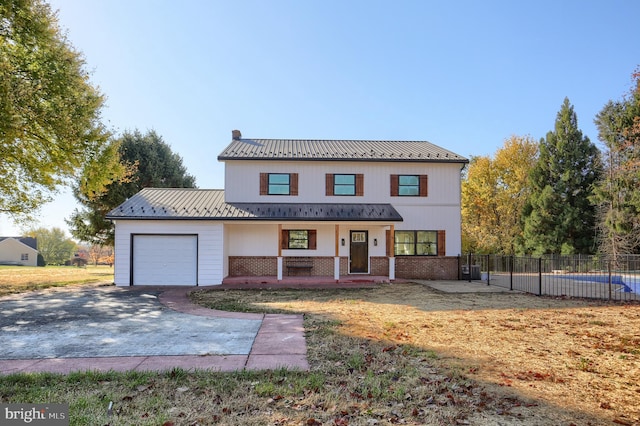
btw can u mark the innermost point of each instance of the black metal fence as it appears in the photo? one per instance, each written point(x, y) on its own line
point(554, 275)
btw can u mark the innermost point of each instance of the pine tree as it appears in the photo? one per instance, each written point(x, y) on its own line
point(559, 216)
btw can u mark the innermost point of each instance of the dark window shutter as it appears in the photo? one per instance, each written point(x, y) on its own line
point(442, 250)
point(329, 180)
point(285, 239)
point(424, 185)
point(264, 184)
point(359, 185)
point(313, 238)
point(389, 243)
point(394, 185)
point(293, 184)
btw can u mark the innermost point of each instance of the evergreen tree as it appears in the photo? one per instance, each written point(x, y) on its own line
point(559, 216)
point(153, 165)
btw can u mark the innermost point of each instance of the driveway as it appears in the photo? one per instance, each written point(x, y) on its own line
point(106, 322)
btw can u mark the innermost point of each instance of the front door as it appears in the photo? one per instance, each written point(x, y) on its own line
point(359, 253)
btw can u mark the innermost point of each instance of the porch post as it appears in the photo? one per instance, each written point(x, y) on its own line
point(279, 259)
point(391, 250)
point(336, 258)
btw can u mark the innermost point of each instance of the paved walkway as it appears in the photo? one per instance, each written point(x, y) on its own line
point(279, 341)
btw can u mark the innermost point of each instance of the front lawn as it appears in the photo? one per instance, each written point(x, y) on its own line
point(19, 279)
point(394, 354)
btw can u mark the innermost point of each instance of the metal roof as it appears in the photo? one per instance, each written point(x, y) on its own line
point(209, 204)
point(337, 150)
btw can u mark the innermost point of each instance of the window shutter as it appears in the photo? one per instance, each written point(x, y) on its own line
point(389, 243)
point(264, 183)
point(394, 185)
point(293, 184)
point(424, 186)
point(284, 243)
point(359, 185)
point(441, 243)
point(329, 179)
point(313, 238)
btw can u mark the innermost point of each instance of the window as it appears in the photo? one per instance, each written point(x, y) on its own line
point(409, 185)
point(278, 184)
point(299, 239)
point(345, 184)
point(24, 256)
point(416, 243)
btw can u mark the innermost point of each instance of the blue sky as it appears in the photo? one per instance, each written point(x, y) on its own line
point(465, 75)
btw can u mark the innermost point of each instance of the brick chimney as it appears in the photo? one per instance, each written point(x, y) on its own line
point(236, 135)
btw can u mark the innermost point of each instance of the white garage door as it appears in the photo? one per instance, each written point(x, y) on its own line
point(165, 259)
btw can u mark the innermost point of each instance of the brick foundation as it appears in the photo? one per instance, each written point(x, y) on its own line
point(425, 268)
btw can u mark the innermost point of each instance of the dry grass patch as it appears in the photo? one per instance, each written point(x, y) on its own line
point(554, 361)
point(19, 279)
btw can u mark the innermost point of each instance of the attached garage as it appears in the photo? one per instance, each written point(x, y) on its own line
point(164, 260)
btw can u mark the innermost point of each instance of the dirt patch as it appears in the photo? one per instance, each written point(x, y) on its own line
point(575, 361)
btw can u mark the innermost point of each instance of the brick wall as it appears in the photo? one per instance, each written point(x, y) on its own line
point(427, 268)
point(252, 266)
point(408, 267)
point(380, 265)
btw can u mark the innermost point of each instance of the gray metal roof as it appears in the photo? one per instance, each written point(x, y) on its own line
point(337, 150)
point(209, 204)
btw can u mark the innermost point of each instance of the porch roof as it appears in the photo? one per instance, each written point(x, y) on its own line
point(209, 204)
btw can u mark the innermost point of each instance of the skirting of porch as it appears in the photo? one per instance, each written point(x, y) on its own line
point(305, 281)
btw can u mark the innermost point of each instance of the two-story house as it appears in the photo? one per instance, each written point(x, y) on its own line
point(325, 208)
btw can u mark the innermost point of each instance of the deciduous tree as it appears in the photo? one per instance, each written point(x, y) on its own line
point(493, 194)
point(617, 194)
point(559, 216)
point(53, 245)
point(50, 126)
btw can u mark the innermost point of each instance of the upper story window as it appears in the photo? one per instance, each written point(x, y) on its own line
point(278, 184)
point(409, 185)
point(24, 256)
point(345, 184)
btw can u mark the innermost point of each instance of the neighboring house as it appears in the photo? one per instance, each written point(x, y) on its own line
point(325, 208)
point(19, 251)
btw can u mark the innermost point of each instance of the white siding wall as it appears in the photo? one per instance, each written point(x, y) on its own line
point(210, 246)
point(262, 239)
point(440, 210)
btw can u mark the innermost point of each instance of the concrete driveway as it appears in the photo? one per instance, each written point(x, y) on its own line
point(120, 328)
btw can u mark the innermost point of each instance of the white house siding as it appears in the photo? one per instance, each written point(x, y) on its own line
point(242, 181)
point(210, 246)
point(11, 251)
point(440, 210)
point(261, 239)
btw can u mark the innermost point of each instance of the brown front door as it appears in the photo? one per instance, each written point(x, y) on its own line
point(359, 252)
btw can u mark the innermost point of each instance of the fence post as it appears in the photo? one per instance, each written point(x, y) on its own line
point(469, 265)
point(609, 271)
point(539, 276)
point(488, 268)
point(511, 259)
